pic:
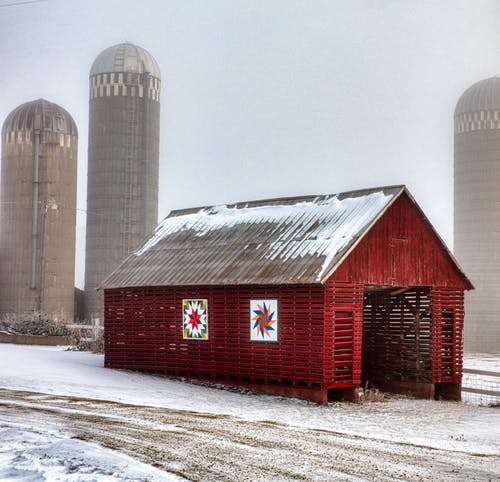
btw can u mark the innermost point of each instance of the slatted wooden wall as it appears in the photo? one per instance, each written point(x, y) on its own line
point(343, 332)
point(143, 331)
point(447, 336)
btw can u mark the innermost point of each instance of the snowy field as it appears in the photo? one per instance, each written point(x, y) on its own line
point(482, 361)
point(488, 382)
point(42, 436)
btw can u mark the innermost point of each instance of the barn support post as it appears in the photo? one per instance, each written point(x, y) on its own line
point(447, 342)
point(343, 332)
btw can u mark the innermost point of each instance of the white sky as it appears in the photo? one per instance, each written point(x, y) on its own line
point(268, 98)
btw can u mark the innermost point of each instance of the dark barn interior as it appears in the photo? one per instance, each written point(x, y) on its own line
point(396, 337)
point(403, 334)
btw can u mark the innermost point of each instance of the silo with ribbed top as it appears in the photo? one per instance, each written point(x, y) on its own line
point(38, 211)
point(477, 210)
point(123, 161)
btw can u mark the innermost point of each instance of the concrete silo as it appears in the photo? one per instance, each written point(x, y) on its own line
point(477, 210)
point(38, 211)
point(122, 193)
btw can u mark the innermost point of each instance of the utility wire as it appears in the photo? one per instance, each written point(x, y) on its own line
point(14, 4)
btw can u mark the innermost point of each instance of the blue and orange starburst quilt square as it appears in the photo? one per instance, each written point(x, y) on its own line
point(264, 320)
point(195, 319)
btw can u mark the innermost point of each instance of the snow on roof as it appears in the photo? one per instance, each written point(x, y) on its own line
point(278, 241)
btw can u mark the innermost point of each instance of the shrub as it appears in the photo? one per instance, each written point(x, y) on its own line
point(87, 338)
point(80, 337)
point(33, 324)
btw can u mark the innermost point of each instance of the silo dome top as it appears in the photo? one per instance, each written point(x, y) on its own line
point(483, 95)
point(125, 58)
point(40, 114)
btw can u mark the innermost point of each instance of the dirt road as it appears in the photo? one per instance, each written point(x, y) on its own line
point(206, 447)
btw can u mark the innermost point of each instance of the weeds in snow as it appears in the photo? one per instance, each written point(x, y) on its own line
point(87, 338)
point(35, 323)
point(80, 337)
point(371, 394)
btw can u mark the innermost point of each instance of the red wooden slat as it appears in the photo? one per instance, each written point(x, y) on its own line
point(342, 334)
point(447, 335)
point(143, 331)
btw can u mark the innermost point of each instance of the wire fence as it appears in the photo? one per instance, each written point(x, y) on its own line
point(481, 387)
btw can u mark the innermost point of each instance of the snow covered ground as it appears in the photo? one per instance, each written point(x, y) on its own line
point(486, 383)
point(37, 450)
point(482, 361)
point(32, 454)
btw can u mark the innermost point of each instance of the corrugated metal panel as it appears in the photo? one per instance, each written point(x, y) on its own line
point(280, 241)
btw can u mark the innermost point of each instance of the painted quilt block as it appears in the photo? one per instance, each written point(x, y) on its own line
point(264, 320)
point(195, 319)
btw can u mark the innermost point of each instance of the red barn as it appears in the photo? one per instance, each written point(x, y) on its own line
point(308, 296)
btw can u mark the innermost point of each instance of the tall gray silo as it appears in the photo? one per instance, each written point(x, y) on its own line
point(477, 210)
point(123, 158)
point(38, 211)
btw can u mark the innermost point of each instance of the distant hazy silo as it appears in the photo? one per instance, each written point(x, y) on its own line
point(38, 211)
point(122, 193)
point(477, 210)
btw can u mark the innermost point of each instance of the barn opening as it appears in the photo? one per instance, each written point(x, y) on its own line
point(409, 342)
point(397, 339)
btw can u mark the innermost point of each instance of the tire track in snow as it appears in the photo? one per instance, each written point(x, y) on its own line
point(207, 447)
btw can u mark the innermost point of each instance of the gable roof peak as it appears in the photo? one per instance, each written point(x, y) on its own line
point(295, 240)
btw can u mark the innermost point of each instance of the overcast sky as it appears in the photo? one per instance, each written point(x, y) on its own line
point(271, 98)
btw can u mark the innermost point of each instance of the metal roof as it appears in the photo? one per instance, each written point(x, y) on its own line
point(40, 114)
point(125, 57)
point(483, 95)
point(278, 241)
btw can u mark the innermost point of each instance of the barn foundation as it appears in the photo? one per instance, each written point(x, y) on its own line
point(448, 391)
point(347, 394)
